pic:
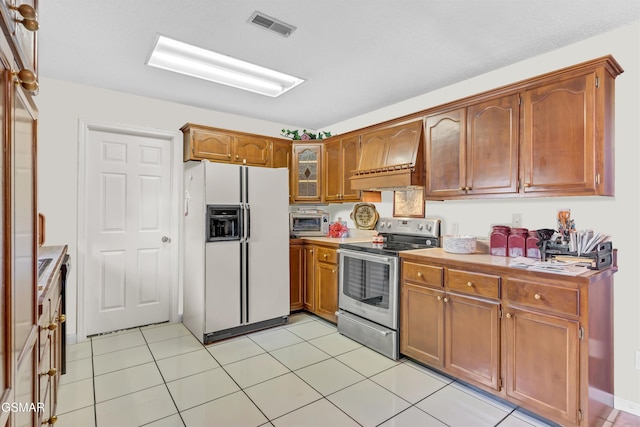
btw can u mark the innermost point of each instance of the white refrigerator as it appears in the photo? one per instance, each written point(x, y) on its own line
point(236, 285)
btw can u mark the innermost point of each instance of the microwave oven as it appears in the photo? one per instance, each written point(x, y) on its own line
point(303, 224)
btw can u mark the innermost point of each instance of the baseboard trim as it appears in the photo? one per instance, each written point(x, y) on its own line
point(626, 406)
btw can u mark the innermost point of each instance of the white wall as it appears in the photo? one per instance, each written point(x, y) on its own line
point(63, 104)
point(618, 216)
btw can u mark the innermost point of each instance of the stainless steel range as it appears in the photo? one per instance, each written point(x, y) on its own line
point(368, 302)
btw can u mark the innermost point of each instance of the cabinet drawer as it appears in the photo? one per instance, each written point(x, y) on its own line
point(478, 284)
point(326, 255)
point(420, 274)
point(541, 296)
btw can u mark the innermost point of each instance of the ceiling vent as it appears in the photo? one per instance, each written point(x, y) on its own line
point(271, 24)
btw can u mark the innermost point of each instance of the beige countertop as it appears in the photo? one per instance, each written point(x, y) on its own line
point(56, 253)
point(482, 259)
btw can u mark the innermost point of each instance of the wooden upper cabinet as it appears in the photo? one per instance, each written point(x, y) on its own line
point(492, 146)
point(559, 137)
point(254, 151)
point(445, 139)
point(473, 150)
point(204, 144)
point(280, 154)
point(220, 145)
point(306, 181)
point(340, 160)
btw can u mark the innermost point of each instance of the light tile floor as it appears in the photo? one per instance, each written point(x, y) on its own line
point(302, 374)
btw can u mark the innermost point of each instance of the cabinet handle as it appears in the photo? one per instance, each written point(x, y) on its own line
point(538, 296)
point(51, 420)
point(470, 284)
point(419, 273)
point(51, 372)
point(509, 315)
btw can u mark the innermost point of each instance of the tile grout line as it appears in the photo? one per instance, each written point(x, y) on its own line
point(155, 361)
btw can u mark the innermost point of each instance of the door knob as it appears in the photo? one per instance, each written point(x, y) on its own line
point(165, 239)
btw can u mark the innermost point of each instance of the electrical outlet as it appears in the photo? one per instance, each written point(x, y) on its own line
point(516, 220)
point(637, 359)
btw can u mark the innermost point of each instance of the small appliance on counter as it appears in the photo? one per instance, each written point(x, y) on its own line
point(309, 223)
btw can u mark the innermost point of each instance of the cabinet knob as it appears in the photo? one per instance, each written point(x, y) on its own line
point(229, 155)
point(325, 255)
point(467, 188)
point(51, 420)
point(62, 318)
point(461, 188)
point(419, 273)
point(51, 372)
point(527, 184)
point(439, 298)
point(537, 296)
point(237, 156)
point(333, 271)
point(28, 14)
point(470, 284)
point(51, 327)
point(27, 79)
point(446, 299)
point(509, 315)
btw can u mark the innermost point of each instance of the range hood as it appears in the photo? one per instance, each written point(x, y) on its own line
point(391, 158)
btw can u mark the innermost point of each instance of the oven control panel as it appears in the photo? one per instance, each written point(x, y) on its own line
point(429, 227)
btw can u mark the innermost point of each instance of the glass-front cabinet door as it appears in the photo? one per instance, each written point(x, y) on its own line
point(307, 170)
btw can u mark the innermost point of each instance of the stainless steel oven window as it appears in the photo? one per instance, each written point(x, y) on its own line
point(367, 281)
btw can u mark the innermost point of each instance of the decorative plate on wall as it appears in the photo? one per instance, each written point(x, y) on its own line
point(365, 216)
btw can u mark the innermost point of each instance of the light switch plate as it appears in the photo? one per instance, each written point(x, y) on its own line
point(516, 220)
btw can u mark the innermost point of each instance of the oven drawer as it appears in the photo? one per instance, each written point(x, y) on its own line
point(478, 284)
point(420, 274)
point(326, 255)
point(376, 337)
point(545, 297)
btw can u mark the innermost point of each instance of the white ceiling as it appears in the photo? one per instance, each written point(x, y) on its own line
point(356, 55)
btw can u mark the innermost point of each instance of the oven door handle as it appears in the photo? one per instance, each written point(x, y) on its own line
point(351, 319)
point(363, 256)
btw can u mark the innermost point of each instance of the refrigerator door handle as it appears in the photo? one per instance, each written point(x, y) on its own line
point(241, 290)
point(247, 282)
point(248, 213)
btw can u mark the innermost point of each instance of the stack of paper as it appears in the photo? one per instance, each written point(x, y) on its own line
point(585, 241)
point(570, 268)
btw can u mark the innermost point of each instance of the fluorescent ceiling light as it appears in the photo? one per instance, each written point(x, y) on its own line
point(172, 55)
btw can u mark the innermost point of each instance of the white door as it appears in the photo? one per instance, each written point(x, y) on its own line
point(127, 225)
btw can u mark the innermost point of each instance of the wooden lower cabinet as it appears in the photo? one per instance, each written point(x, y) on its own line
point(541, 363)
point(327, 291)
point(422, 324)
point(296, 275)
point(318, 275)
point(541, 341)
point(50, 349)
point(472, 339)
